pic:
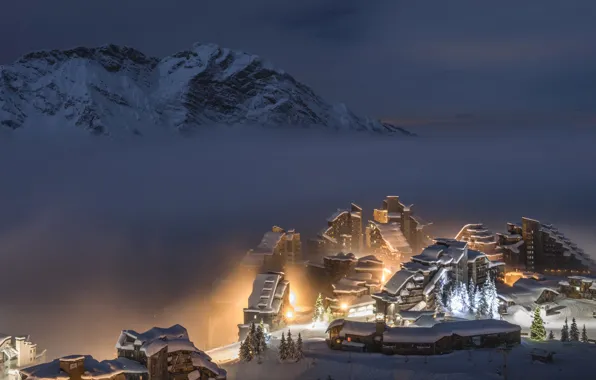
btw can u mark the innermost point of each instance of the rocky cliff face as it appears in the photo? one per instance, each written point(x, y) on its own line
point(113, 90)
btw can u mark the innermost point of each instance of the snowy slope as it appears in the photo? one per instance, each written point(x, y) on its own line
point(572, 360)
point(118, 90)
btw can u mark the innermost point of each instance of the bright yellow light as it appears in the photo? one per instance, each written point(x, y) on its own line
point(292, 298)
point(344, 306)
point(387, 270)
point(289, 314)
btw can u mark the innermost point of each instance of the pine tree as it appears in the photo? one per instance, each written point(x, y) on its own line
point(483, 304)
point(537, 330)
point(245, 354)
point(573, 331)
point(584, 335)
point(328, 315)
point(291, 346)
point(551, 336)
point(260, 345)
point(319, 309)
point(299, 355)
point(283, 348)
point(565, 332)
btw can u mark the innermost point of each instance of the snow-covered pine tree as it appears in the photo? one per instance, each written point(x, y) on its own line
point(299, 355)
point(283, 348)
point(246, 353)
point(551, 336)
point(585, 335)
point(573, 331)
point(537, 330)
point(260, 345)
point(565, 332)
point(492, 301)
point(291, 346)
point(472, 297)
point(328, 315)
point(319, 309)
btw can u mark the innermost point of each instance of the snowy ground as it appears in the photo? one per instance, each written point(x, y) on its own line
point(570, 360)
point(567, 308)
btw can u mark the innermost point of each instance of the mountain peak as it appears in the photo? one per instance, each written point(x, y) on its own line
point(113, 90)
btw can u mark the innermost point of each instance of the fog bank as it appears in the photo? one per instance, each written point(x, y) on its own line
point(98, 235)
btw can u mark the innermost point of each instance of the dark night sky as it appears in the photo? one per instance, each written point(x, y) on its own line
point(386, 58)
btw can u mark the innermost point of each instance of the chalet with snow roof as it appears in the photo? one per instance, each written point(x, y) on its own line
point(85, 367)
point(342, 233)
point(412, 227)
point(529, 293)
point(269, 302)
point(168, 354)
point(481, 239)
point(579, 287)
point(17, 352)
point(439, 338)
point(277, 249)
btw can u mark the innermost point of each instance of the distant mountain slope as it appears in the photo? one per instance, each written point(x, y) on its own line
point(114, 90)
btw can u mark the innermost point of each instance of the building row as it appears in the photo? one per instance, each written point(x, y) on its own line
point(439, 338)
point(539, 247)
point(156, 354)
point(415, 285)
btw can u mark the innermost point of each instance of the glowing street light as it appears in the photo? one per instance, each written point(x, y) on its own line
point(344, 306)
point(289, 314)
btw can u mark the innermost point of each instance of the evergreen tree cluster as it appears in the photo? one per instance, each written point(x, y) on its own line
point(572, 334)
point(290, 349)
point(479, 301)
point(254, 345)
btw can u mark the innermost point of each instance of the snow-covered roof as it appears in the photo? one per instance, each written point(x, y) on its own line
point(4, 338)
point(525, 291)
point(152, 341)
point(432, 334)
point(341, 257)
point(444, 251)
point(393, 237)
point(337, 214)
point(202, 360)
point(474, 255)
point(353, 327)
point(267, 291)
point(397, 281)
point(369, 258)
point(346, 285)
point(270, 240)
point(514, 247)
point(93, 368)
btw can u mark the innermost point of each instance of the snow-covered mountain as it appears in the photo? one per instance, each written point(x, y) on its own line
point(114, 90)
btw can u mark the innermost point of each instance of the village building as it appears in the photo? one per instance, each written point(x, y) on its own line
point(268, 302)
point(354, 280)
point(413, 287)
point(438, 338)
point(529, 293)
point(343, 233)
point(412, 227)
point(168, 354)
point(85, 367)
point(277, 249)
point(540, 247)
point(579, 287)
point(17, 352)
point(388, 241)
point(481, 239)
